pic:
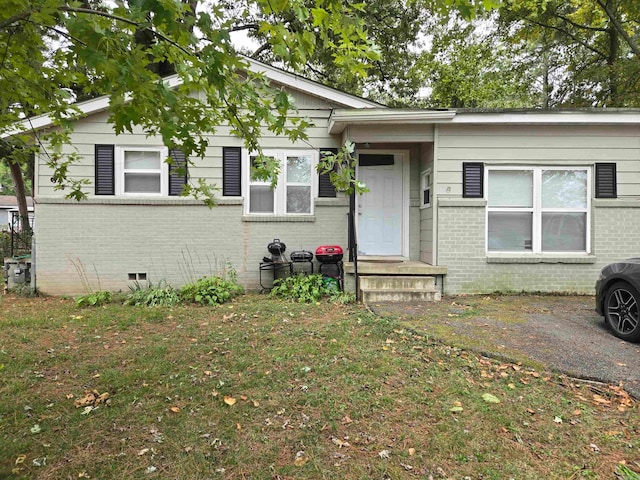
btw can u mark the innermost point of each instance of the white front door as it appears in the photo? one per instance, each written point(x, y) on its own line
point(380, 211)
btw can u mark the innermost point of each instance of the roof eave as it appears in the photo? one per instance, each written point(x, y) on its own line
point(340, 119)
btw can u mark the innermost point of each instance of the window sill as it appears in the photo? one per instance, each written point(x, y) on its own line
point(544, 258)
point(279, 218)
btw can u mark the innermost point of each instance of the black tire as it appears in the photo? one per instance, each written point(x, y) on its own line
point(622, 311)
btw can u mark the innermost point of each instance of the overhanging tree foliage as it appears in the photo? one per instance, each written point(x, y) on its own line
point(52, 49)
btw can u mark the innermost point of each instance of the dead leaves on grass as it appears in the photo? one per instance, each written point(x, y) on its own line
point(91, 398)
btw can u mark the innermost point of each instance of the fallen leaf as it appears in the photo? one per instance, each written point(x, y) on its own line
point(143, 451)
point(20, 459)
point(487, 397)
point(557, 419)
point(36, 429)
point(384, 454)
point(229, 400)
point(175, 409)
point(347, 420)
point(412, 452)
point(256, 403)
point(340, 443)
point(456, 409)
point(301, 459)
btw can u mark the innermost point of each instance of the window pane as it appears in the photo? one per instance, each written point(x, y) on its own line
point(260, 199)
point(298, 199)
point(142, 160)
point(564, 189)
point(564, 232)
point(142, 183)
point(510, 188)
point(510, 232)
point(299, 169)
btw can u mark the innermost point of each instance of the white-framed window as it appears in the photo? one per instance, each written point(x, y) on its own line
point(538, 209)
point(141, 170)
point(425, 188)
point(296, 188)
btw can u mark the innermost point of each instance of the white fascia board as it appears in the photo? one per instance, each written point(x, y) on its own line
point(310, 87)
point(341, 118)
point(85, 108)
point(558, 117)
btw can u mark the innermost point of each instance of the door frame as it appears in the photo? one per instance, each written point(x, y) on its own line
point(406, 167)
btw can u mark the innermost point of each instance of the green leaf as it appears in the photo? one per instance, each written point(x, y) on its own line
point(489, 398)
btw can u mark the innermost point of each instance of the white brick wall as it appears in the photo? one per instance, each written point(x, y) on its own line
point(461, 241)
point(173, 242)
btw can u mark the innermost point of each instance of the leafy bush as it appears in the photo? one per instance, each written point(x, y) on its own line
point(301, 288)
point(152, 296)
point(94, 299)
point(210, 291)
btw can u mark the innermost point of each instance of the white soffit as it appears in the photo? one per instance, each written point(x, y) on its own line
point(340, 119)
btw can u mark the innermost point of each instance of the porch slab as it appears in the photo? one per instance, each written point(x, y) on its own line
point(393, 266)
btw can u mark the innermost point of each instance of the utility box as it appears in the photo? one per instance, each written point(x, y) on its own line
point(17, 272)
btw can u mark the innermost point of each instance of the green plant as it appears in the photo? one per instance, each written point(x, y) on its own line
point(301, 288)
point(210, 291)
point(152, 295)
point(625, 473)
point(24, 290)
point(94, 299)
point(342, 298)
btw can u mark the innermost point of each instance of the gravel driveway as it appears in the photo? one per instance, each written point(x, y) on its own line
point(562, 332)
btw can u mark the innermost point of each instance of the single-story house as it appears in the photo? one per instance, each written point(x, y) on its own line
point(459, 202)
point(8, 205)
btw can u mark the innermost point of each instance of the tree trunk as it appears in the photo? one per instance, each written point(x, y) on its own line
point(18, 182)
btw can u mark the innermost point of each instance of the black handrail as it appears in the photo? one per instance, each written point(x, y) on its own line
point(353, 241)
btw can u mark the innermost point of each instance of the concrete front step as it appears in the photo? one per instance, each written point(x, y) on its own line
point(382, 267)
point(398, 296)
point(397, 282)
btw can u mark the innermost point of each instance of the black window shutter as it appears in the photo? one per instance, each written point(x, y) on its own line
point(606, 184)
point(231, 172)
point(472, 180)
point(325, 187)
point(177, 179)
point(104, 172)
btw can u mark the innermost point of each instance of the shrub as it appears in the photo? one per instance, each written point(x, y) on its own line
point(301, 288)
point(94, 299)
point(152, 296)
point(210, 291)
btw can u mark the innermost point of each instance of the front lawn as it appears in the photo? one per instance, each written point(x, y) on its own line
point(259, 388)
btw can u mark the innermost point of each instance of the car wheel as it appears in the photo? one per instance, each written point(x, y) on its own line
point(622, 311)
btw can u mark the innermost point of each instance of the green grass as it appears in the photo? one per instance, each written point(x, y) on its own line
point(236, 391)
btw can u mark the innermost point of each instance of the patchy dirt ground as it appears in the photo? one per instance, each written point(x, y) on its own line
point(564, 333)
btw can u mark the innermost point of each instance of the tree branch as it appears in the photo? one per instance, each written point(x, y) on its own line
point(14, 19)
point(248, 26)
point(570, 35)
point(160, 35)
point(578, 25)
point(620, 29)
